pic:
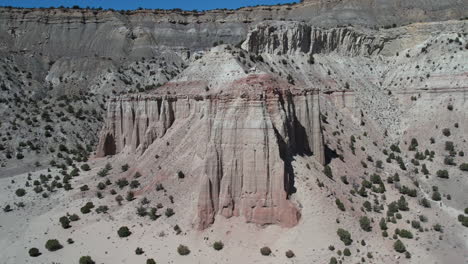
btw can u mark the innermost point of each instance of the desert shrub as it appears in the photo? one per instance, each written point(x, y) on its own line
point(327, 171)
point(152, 214)
point(383, 224)
point(85, 167)
point(446, 132)
point(402, 204)
point(443, 174)
point(169, 212)
point(347, 252)
point(365, 223)
point(20, 192)
point(344, 179)
point(437, 227)
point(333, 260)
point(34, 252)
point(425, 203)
point(87, 208)
point(150, 261)
point(463, 220)
point(345, 236)
point(53, 245)
point(180, 174)
point(289, 254)
point(464, 167)
point(340, 205)
point(130, 196)
point(74, 217)
point(415, 224)
point(65, 222)
point(436, 196)
point(102, 209)
point(265, 251)
point(86, 260)
point(183, 250)
point(134, 184)
point(399, 246)
point(101, 186)
point(218, 245)
point(121, 183)
point(413, 145)
point(449, 161)
point(159, 187)
point(125, 167)
point(124, 231)
point(84, 188)
point(141, 211)
point(405, 234)
point(139, 251)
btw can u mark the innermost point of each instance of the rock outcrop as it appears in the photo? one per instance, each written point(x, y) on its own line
point(289, 37)
point(246, 142)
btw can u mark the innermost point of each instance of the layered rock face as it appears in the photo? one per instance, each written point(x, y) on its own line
point(288, 37)
point(246, 142)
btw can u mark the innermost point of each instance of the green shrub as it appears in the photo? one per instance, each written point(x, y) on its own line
point(130, 196)
point(180, 174)
point(340, 205)
point(218, 245)
point(183, 250)
point(399, 246)
point(86, 260)
point(53, 245)
point(328, 171)
point(265, 251)
point(20, 192)
point(34, 252)
point(290, 254)
point(347, 252)
point(87, 208)
point(365, 223)
point(383, 224)
point(345, 236)
point(169, 212)
point(446, 132)
point(85, 167)
point(464, 167)
point(65, 222)
point(139, 251)
point(425, 203)
point(405, 234)
point(124, 231)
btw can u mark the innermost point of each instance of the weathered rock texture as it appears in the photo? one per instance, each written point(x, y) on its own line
point(248, 145)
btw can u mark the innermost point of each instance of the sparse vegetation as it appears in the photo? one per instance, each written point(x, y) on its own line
point(124, 231)
point(53, 245)
point(218, 245)
point(345, 236)
point(34, 252)
point(183, 250)
point(86, 260)
point(265, 251)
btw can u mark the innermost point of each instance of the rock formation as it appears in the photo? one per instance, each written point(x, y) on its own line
point(248, 144)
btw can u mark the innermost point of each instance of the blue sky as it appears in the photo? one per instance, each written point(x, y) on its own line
point(152, 4)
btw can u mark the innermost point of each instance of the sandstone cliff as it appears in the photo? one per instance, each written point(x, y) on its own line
point(246, 143)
